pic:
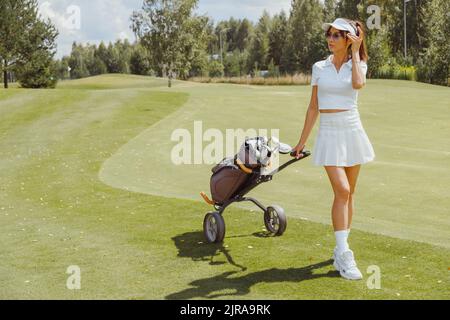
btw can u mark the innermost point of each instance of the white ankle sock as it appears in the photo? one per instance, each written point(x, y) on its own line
point(341, 241)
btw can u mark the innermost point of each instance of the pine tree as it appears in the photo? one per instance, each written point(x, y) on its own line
point(243, 34)
point(259, 49)
point(277, 38)
point(26, 42)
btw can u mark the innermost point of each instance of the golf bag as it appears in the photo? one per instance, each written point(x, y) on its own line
point(231, 173)
point(226, 179)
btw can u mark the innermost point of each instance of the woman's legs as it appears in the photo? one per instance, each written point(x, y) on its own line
point(352, 177)
point(341, 188)
point(343, 181)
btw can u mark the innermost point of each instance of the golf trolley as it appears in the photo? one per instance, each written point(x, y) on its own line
point(245, 180)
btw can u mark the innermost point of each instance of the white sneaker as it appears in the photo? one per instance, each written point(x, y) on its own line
point(346, 265)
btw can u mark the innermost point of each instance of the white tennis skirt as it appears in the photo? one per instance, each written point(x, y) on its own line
point(342, 140)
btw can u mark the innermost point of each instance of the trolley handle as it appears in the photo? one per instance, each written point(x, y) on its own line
point(305, 153)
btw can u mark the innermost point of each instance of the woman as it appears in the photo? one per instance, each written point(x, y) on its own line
point(342, 145)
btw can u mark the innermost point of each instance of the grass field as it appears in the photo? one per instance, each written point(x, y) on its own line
point(86, 180)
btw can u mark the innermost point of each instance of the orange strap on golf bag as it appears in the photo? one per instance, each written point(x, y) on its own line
point(243, 167)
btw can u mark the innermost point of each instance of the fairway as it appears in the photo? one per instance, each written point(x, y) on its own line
point(87, 180)
point(404, 193)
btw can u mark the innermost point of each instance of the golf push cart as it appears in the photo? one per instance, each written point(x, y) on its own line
point(234, 177)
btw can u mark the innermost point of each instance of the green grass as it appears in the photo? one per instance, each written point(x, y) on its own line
point(404, 193)
point(56, 210)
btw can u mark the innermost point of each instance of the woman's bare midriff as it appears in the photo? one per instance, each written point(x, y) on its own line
point(332, 110)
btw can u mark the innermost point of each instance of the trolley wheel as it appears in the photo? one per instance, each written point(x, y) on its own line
point(214, 227)
point(275, 220)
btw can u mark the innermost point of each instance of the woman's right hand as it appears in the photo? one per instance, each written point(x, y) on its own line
point(296, 152)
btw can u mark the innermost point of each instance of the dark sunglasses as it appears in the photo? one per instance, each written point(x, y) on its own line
point(336, 35)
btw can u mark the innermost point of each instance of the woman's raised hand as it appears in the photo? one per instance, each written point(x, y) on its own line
point(356, 41)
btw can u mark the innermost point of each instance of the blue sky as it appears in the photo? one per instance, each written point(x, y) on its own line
point(108, 20)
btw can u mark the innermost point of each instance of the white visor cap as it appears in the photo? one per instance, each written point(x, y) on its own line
point(340, 24)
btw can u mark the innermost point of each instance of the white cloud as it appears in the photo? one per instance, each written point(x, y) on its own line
point(99, 20)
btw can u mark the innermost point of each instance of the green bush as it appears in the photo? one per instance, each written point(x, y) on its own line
point(216, 69)
point(38, 72)
point(395, 71)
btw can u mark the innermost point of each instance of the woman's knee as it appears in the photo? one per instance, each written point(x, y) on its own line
point(342, 192)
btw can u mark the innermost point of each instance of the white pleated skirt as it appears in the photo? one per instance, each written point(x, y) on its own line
point(342, 140)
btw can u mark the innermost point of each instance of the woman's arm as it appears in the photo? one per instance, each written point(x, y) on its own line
point(358, 80)
point(358, 74)
point(310, 120)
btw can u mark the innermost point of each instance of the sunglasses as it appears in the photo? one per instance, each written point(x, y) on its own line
point(336, 35)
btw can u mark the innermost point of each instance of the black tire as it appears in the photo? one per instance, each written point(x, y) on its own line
point(214, 227)
point(275, 220)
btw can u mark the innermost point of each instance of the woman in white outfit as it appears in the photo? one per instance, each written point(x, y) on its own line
point(342, 145)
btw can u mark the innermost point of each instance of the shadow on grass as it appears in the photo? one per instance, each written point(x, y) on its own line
point(192, 245)
point(210, 288)
point(263, 234)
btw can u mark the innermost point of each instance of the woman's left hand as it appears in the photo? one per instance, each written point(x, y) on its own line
point(356, 41)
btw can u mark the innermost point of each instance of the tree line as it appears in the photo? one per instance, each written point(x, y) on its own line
point(91, 60)
point(290, 43)
point(173, 41)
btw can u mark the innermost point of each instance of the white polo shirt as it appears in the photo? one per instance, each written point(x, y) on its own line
point(335, 90)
